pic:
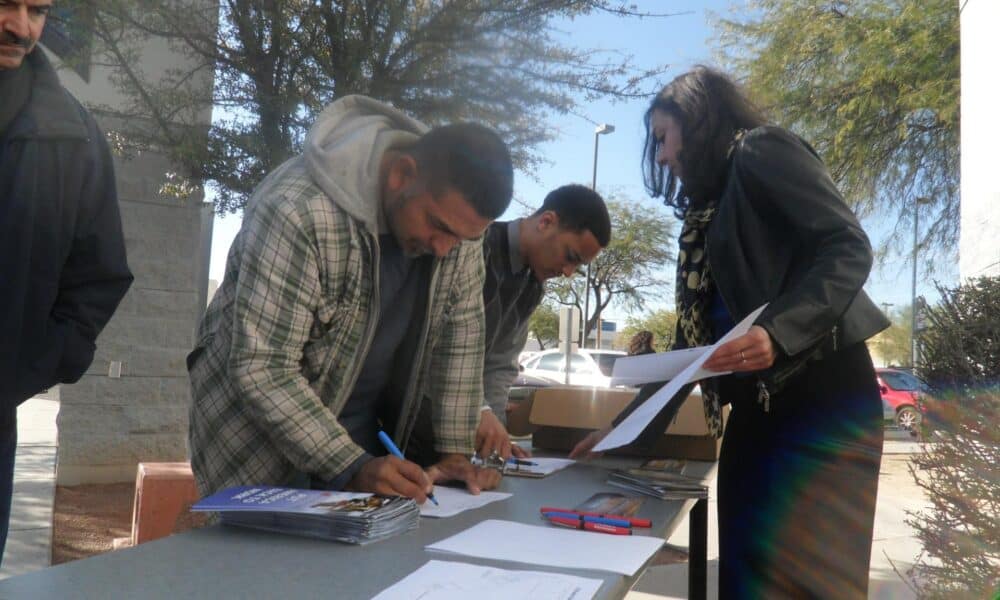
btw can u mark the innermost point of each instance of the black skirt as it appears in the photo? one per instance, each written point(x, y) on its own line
point(797, 485)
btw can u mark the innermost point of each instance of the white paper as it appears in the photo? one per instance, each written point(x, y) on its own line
point(453, 501)
point(552, 546)
point(542, 466)
point(632, 426)
point(647, 368)
point(440, 580)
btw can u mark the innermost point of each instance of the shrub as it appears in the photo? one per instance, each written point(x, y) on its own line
point(960, 471)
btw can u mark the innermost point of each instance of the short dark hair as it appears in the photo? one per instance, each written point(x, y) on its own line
point(470, 158)
point(579, 208)
point(710, 108)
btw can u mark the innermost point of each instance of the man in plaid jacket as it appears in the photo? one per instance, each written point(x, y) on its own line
point(353, 290)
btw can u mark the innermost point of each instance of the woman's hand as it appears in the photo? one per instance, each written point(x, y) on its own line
point(752, 351)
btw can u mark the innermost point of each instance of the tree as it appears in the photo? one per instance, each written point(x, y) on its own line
point(544, 325)
point(661, 323)
point(960, 473)
point(874, 85)
point(893, 344)
point(277, 63)
point(629, 271)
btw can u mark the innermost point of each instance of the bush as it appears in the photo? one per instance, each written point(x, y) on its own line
point(960, 472)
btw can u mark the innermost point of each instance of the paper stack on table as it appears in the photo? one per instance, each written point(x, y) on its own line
point(452, 501)
point(540, 467)
point(356, 518)
point(549, 546)
point(440, 580)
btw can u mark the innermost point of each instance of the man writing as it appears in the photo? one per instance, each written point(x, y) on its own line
point(566, 232)
point(353, 290)
point(62, 252)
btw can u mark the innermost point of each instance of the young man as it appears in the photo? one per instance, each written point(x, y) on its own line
point(62, 252)
point(353, 289)
point(567, 232)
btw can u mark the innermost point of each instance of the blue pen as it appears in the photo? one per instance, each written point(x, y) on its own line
point(393, 450)
point(588, 519)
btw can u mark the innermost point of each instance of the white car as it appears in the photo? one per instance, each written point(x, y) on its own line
point(586, 367)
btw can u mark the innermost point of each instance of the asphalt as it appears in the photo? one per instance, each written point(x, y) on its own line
point(894, 547)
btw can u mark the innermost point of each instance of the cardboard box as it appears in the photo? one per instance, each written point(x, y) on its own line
point(564, 415)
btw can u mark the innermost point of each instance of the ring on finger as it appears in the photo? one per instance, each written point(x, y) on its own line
point(743, 357)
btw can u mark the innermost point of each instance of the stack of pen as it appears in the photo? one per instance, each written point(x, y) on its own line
point(613, 524)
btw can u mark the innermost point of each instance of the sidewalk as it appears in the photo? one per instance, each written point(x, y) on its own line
point(893, 543)
point(30, 537)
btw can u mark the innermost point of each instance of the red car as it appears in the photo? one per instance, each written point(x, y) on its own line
point(901, 393)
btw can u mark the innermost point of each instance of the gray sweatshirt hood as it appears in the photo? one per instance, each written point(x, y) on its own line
point(344, 148)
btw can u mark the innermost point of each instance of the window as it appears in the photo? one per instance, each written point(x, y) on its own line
point(606, 362)
point(552, 362)
point(579, 364)
point(904, 382)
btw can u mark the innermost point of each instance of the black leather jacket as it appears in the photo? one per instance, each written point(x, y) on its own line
point(784, 235)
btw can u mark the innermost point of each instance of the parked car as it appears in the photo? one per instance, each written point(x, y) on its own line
point(587, 366)
point(901, 397)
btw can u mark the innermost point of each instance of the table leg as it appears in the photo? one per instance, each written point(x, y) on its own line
point(698, 550)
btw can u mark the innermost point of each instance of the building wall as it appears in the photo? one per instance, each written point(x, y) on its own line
point(109, 424)
point(979, 241)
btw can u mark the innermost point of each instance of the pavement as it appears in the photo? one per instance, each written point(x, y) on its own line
point(894, 547)
point(29, 541)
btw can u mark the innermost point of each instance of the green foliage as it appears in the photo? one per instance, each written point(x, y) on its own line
point(629, 271)
point(874, 85)
point(893, 344)
point(960, 359)
point(661, 323)
point(278, 63)
point(544, 325)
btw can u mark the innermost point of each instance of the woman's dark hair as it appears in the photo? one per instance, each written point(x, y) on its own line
point(710, 108)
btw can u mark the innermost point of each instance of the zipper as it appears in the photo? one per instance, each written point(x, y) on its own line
point(404, 425)
point(369, 329)
point(763, 396)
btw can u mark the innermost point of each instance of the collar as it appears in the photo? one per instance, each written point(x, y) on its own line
point(51, 112)
point(514, 241)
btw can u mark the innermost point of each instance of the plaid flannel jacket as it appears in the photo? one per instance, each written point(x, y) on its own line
point(285, 337)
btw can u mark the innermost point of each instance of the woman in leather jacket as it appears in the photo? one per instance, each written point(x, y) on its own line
point(763, 222)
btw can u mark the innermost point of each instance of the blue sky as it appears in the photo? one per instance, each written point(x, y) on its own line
point(680, 41)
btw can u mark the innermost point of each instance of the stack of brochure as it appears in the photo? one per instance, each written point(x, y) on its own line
point(659, 484)
point(356, 518)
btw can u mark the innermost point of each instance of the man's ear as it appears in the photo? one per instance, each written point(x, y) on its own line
point(548, 220)
point(402, 173)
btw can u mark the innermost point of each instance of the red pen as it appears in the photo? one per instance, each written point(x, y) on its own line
point(589, 526)
point(635, 522)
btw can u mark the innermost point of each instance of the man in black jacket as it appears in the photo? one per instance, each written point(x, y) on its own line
point(62, 252)
point(568, 231)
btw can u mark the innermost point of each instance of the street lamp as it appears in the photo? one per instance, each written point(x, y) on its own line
point(913, 289)
point(600, 130)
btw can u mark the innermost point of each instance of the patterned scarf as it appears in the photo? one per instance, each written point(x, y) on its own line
point(695, 289)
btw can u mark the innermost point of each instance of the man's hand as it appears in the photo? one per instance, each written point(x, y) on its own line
point(583, 449)
point(391, 476)
point(752, 351)
point(456, 467)
point(492, 436)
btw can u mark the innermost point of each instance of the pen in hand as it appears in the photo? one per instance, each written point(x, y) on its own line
point(393, 450)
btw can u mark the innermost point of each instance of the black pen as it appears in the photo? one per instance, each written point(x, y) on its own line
point(521, 463)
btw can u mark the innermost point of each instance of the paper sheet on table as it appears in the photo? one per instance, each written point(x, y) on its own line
point(440, 580)
point(552, 546)
point(453, 501)
point(632, 426)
